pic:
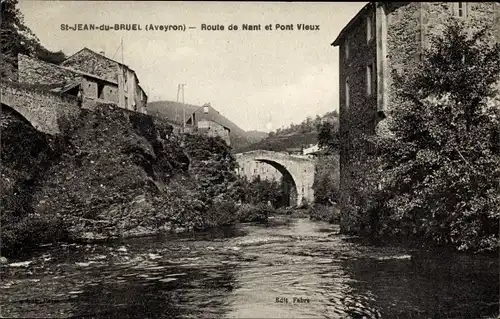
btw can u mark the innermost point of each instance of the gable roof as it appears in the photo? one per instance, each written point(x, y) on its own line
point(173, 111)
point(101, 56)
point(20, 55)
point(353, 21)
point(95, 53)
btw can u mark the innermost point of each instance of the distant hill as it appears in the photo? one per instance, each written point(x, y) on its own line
point(173, 111)
point(295, 136)
point(256, 136)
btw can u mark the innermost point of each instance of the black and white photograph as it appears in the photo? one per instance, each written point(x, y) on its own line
point(213, 159)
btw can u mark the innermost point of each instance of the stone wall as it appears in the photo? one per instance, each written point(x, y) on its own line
point(360, 115)
point(42, 109)
point(411, 26)
point(403, 42)
point(213, 129)
point(478, 14)
point(252, 169)
point(93, 63)
point(109, 93)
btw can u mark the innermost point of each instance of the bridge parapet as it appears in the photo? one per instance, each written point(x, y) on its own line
point(41, 108)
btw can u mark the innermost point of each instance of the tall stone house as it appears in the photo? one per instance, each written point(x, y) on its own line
point(386, 36)
point(92, 76)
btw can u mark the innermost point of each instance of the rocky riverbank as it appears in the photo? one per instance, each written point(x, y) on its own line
point(110, 173)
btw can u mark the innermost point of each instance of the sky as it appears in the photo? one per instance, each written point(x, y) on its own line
point(260, 80)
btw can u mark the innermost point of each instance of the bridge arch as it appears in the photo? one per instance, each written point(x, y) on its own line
point(289, 182)
point(297, 171)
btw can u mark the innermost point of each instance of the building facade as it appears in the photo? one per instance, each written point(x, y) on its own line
point(91, 88)
point(131, 96)
point(381, 38)
point(213, 129)
point(95, 78)
point(313, 149)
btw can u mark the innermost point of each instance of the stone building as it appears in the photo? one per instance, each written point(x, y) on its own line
point(313, 150)
point(92, 76)
point(383, 37)
point(213, 129)
point(130, 94)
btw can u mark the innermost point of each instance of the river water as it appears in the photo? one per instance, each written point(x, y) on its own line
point(287, 268)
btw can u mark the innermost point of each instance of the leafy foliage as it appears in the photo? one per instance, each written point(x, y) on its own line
point(17, 38)
point(328, 135)
point(258, 190)
point(326, 180)
point(329, 213)
point(26, 155)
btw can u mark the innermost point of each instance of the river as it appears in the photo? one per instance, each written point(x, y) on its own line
point(287, 268)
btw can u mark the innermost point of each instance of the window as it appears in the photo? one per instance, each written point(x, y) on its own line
point(346, 47)
point(347, 92)
point(369, 27)
point(461, 9)
point(369, 79)
point(100, 89)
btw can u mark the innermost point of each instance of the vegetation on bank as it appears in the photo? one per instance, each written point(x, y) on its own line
point(326, 175)
point(437, 173)
point(114, 173)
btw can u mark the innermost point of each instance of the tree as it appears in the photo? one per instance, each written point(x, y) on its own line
point(16, 38)
point(326, 180)
point(328, 135)
point(442, 163)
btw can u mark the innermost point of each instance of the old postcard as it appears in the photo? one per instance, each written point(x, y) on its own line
point(211, 159)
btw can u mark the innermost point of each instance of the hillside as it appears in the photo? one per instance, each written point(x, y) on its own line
point(256, 136)
point(295, 136)
point(173, 112)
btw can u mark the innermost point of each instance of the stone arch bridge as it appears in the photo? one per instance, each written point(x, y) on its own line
point(42, 109)
point(297, 171)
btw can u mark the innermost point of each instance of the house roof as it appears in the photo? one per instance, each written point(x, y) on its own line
point(107, 58)
point(96, 53)
point(353, 21)
point(87, 74)
point(69, 69)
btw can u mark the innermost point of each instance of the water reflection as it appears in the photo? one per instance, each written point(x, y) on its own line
point(251, 271)
point(434, 287)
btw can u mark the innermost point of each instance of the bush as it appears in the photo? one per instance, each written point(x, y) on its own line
point(258, 190)
point(223, 212)
point(23, 233)
point(304, 204)
point(326, 213)
point(254, 213)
